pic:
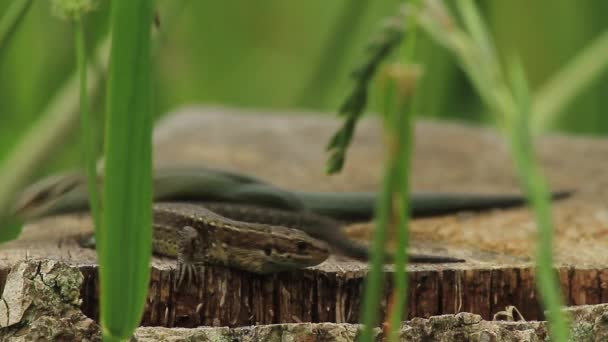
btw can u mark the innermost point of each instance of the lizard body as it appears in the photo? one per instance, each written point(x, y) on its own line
point(317, 226)
point(255, 239)
point(197, 236)
point(68, 193)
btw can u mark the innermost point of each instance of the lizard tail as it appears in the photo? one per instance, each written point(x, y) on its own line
point(359, 206)
point(353, 249)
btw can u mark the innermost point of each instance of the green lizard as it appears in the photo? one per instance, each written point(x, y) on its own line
point(67, 192)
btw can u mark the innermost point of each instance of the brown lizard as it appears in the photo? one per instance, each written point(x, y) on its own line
point(251, 238)
point(197, 236)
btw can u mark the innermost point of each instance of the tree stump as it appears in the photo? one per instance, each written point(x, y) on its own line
point(288, 150)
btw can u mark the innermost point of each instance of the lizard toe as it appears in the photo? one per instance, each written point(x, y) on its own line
point(187, 274)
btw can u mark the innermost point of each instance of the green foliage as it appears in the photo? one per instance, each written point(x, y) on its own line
point(324, 77)
point(88, 126)
point(10, 182)
point(548, 35)
point(124, 242)
point(352, 108)
point(569, 83)
point(267, 53)
point(396, 89)
point(510, 104)
point(11, 19)
point(40, 143)
point(537, 190)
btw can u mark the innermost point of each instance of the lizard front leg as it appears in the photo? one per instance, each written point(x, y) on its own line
point(187, 269)
point(182, 246)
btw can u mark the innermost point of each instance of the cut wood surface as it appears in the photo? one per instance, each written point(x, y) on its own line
point(288, 150)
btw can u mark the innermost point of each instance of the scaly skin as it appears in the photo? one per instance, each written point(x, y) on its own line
point(317, 226)
point(251, 238)
point(258, 201)
point(198, 236)
point(67, 193)
point(359, 206)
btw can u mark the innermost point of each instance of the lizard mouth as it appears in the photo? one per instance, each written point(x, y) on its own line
point(290, 262)
point(298, 254)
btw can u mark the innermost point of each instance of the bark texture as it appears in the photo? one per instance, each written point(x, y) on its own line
point(41, 303)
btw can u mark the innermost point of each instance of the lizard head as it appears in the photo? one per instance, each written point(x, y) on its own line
point(52, 195)
point(271, 249)
point(289, 249)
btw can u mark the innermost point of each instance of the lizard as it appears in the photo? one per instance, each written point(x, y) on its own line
point(311, 212)
point(66, 192)
point(317, 226)
point(255, 239)
point(197, 236)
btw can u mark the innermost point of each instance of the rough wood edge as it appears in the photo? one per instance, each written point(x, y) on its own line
point(41, 302)
point(309, 295)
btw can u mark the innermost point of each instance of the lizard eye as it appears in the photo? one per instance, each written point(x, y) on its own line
point(301, 246)
point(268, 250)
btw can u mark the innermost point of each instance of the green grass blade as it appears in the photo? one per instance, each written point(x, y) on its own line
point(539, 198)
point(397, 83)
point(353, 106)
point(124, 245)
point(8, 23)
point(87, 126)
point(477, 29)
point(510, 104)
point(11, 19)
point(373, 286)
point(406, 76)
point(401, 129)
point(560, 90)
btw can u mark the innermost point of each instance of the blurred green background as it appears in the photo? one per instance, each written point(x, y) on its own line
point(268, 54)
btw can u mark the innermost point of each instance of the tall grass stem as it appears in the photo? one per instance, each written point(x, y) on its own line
point(510, 104)
point(87, 125)
point(125, 240)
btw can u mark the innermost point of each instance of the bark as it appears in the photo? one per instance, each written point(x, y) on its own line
point(41, 302)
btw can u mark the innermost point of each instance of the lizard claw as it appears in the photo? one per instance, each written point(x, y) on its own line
point(187, 274)
point(187, 271)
